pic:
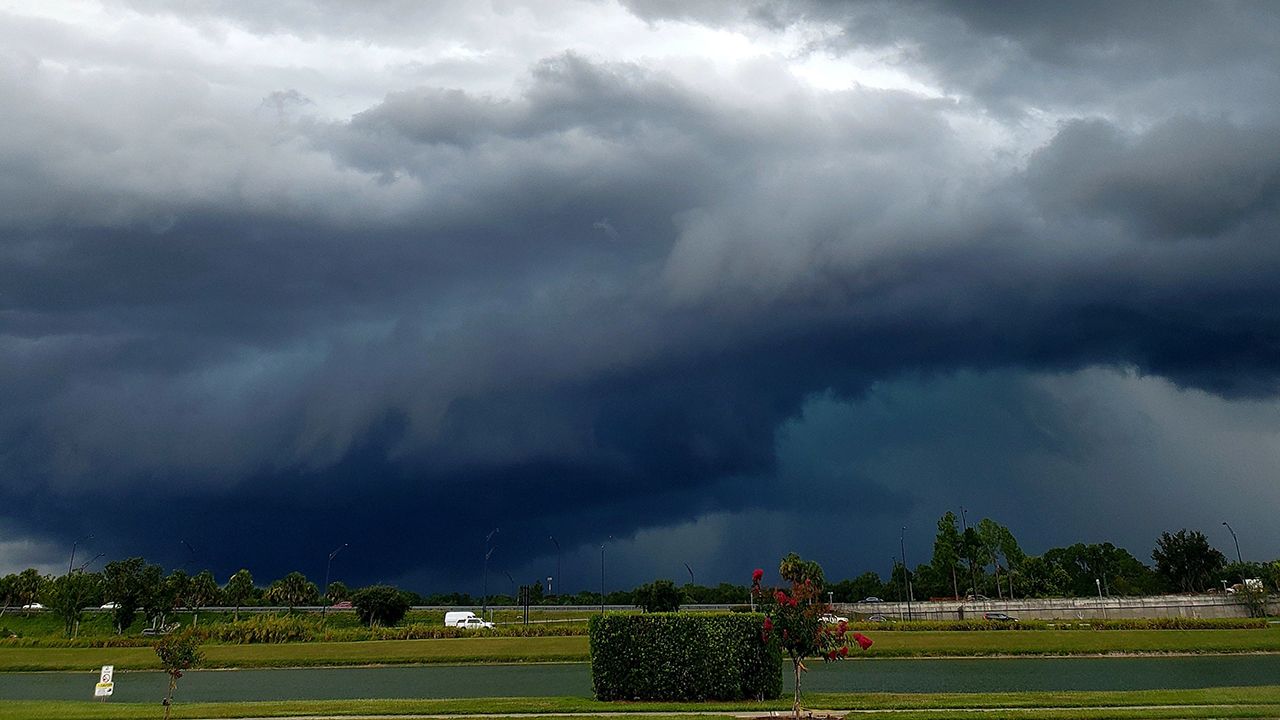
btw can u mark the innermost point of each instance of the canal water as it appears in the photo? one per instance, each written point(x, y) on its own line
point(574, 679)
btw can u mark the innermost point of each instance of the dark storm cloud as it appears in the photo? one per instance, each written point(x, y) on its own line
point(275, 334)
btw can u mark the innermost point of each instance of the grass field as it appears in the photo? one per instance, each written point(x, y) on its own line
point(575, 648)
point(1250, 702)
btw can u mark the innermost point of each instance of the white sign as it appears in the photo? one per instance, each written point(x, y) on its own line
point(105, 686)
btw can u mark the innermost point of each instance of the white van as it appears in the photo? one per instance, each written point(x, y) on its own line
point(465, 619)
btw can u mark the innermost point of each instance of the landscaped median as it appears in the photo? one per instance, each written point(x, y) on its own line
point(1246, 702)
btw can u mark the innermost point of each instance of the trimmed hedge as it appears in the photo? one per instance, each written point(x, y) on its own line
point(683, 656)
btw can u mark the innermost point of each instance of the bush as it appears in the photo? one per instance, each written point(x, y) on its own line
point(677, 656)
point(380, 605)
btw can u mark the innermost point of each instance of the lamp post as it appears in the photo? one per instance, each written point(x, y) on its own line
point(894, 559)
point(602, 575)
point(1237, 541)
point(328, 565)
point(71, 563)
point(191, 559)
point(484, 608)
point(973, 571)
point(559, 578)
point(686, 567)
point(906, 574)
point(1098, 582)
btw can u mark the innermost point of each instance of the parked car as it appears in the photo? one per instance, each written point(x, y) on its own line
point(872, 598)
point(877, 618)
point(33, 606)
point(474, 623)
point(344, 605)
point(973, 598)
point(109, 606)
point(999, 617)
point(833, 619)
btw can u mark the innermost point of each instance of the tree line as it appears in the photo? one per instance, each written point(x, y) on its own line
point(984, 559)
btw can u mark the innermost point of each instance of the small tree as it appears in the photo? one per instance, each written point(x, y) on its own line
point(239, 588)
point(796, 618)
point(658, 596)
point(28, 586)
point(380, 605)
point(177, 652)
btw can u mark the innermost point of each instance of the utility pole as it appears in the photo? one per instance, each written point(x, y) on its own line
point(484, 608)
point(1239, 559)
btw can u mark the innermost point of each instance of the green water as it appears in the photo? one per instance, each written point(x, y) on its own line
point(434, 681)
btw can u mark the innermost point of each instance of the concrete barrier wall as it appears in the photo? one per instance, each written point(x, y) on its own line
point(1193, 606)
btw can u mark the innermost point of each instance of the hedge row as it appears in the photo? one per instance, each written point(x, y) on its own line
point(683, 656)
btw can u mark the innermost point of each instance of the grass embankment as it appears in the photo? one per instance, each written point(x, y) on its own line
point(1248, 702)
point(575, 649)
point(372, 652)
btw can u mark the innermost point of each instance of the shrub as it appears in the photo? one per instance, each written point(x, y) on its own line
point(380, 605)
point(676, 656)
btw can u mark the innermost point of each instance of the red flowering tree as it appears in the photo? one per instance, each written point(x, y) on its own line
point(794, 617)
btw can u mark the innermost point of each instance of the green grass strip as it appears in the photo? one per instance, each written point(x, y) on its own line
point(1208, 702)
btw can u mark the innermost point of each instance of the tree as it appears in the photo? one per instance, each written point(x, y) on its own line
point(293, 590)
point(130, 584)
point(29, 586)
point(67, 596)
point(795, 618)
point(868, 584)
point(8, 592)
point(202, 591)
point(169, 594)
point(1039, 578)
point(1119, 571)
point(338, 591)
point(1187, 561)
point(380, 605)
point(658, 596)
point(239, 588)
point(946, 550)
point(177, 652)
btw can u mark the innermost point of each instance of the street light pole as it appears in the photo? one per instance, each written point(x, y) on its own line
point(1098, 582)
point(1237, 541)
point(686, 567)
point(559, 579)
point(72, 562)
point(328, 565)
point(973, 571)
point(602, 578)
point(484, 608)
point(906, 574)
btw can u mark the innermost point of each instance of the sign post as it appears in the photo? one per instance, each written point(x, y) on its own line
point(105, 685)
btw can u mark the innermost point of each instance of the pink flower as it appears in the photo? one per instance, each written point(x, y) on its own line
point(768, 624)
point(780, 597)
point(756, 575)
point(863, 641)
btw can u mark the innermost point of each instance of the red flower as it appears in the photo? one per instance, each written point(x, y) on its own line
point(780, 597)
point(844, 650)
point(831, 655)
point(768, 624)
point(863, 641)
point(756, 575)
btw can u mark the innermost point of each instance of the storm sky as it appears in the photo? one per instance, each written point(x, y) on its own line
point(705, 282)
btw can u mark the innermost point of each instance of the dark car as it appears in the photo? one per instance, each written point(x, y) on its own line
point(873, 598)
point(877, 618)
point(999, 617)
